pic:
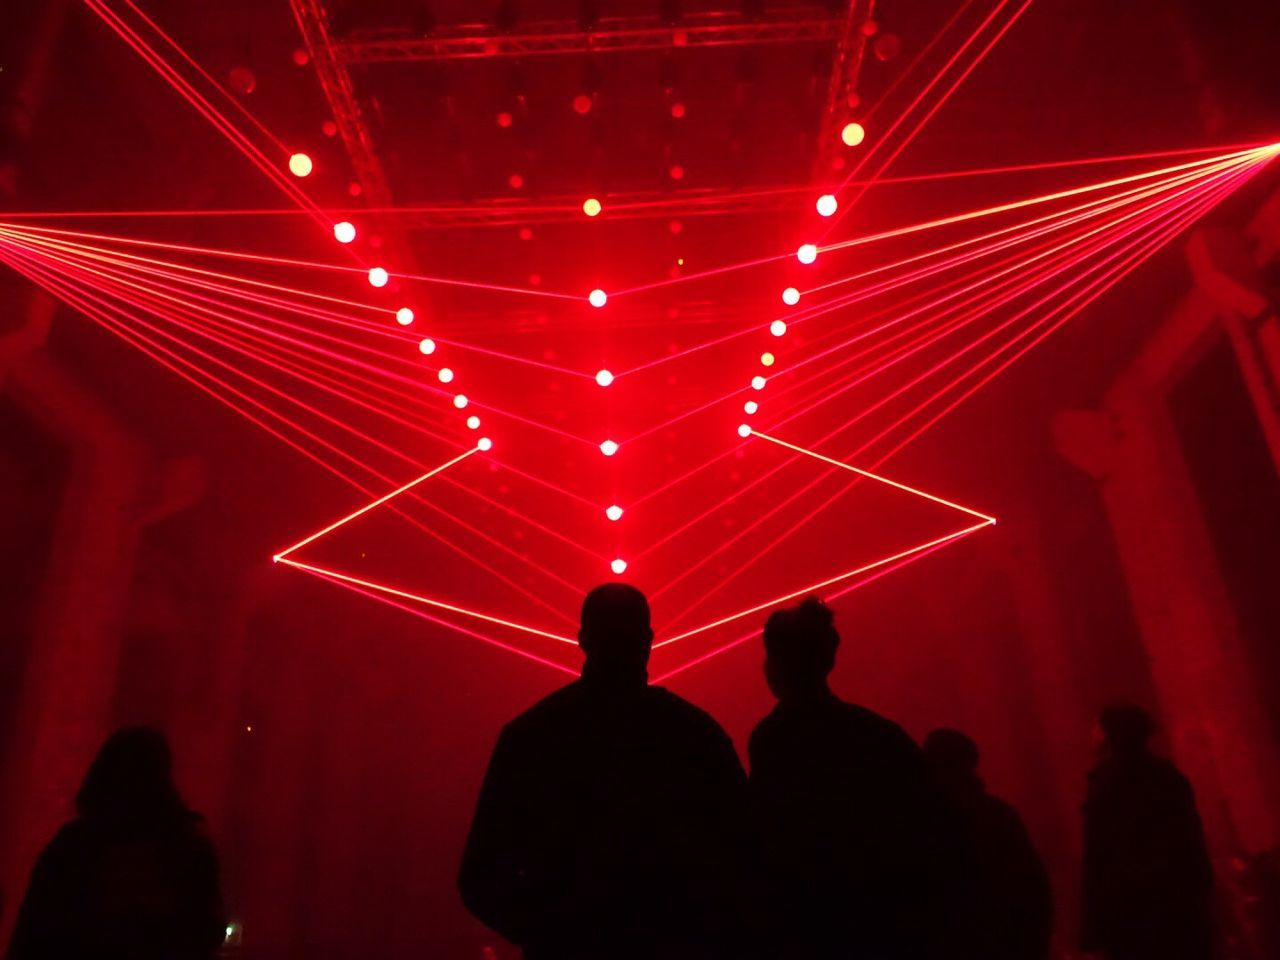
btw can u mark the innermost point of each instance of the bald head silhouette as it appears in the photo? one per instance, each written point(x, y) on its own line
point(614, 632)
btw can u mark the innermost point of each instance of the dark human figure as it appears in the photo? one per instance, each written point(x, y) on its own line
point(133, 876)
point(612, 819)
point(1003, 909)
point(846, 817)
point(1148, 882)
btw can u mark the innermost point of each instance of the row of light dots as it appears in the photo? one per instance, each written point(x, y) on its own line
point(852, 134)
point(345, 232)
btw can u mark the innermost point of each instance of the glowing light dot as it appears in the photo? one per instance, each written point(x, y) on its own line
point(597, 298)
point(484, 444)
point(827, 204)
point(426, 346)
point(378, 277)
point(757, 383)
point(505, 119)
point(460, 401)
point(744, 430)
point(445, 375)
point(515, 181)
point(404, 316)
point(676, 171)
point(473, 423)
point(853, 134)
point(591, 207)
point(750, 407)
point(614, 512)
point(778, 327)
point(766, 359)
point(582, 104)
point(807, 253)
point(677, 110)
point(608, 448)
point(344, 232)
point(604, 378)
point(300, 165)
point(618, 566)
point(791, 296)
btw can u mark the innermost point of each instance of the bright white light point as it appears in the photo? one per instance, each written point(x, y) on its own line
point(757, 383)
point(614, 512)
point(426, 346)
point(484, 444)
point(597, 298)
point(766, 359)
point(445, 375)
point(750, 407)
point(404, 316)
point(608, 448)
point(618, 566)
point(852, 134)
point(473, 423)
point(807, 253)
point(460, 401)
point(778, 327)
point(344, 232)
point(300, 165)
point(791, 296)
point(378, 277)
point(604, 378)
point(744, 430)
point(591, 207)
point(827, 204)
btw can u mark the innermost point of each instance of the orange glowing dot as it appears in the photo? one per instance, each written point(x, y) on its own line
point(591, 207)
point(378, 277)
point(404, 316)
point(827, 204)
point(791, 296)
point(766, 359)
point(614, 512)
point(853, 134)
point(344, 232)
point(300, 165)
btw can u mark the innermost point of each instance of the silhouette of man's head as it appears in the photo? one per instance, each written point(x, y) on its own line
point(800, 649)
point(952, 756)
point(132, 776)
point(615, 633)
point(1126, 728)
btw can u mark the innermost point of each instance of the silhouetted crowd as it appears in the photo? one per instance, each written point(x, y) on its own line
point(616, 822)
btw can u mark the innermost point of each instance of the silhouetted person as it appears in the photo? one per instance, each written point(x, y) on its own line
point(846, 816)
point(1147, 876)
point(1003, 907)
point(133, 877)
point(612, 817)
